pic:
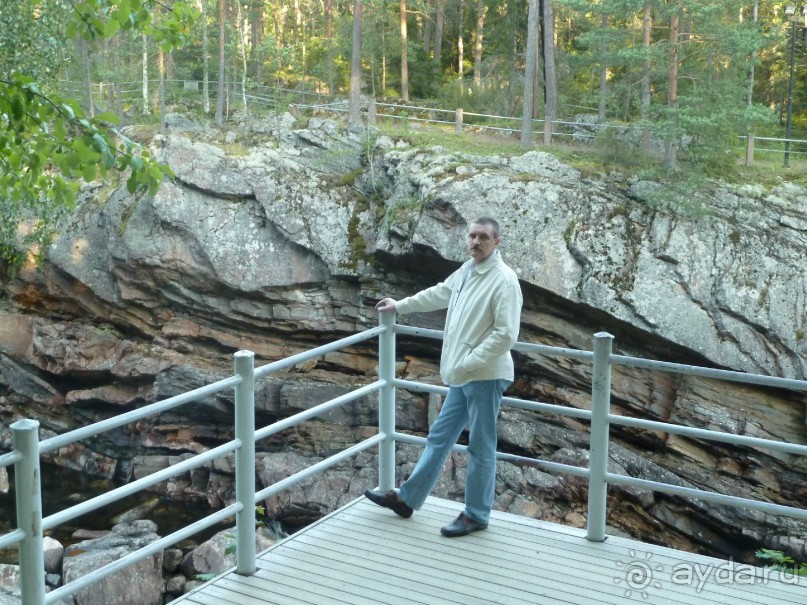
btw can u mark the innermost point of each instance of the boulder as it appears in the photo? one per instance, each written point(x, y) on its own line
point(138, 584)
point(54, 552)
point(217, 555)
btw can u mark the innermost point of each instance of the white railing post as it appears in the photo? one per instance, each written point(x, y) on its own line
point(27, 483)
point(245, 462)
point(386, 402)
point(598, 446)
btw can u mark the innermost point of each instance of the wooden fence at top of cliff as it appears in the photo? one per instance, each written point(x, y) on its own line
point(128, 98)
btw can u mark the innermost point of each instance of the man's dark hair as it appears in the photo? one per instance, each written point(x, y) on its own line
point(486, 220)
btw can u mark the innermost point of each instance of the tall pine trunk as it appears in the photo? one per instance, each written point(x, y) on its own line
point(529, 75)
point(404, 54)
point(439, 25)
point(550, 80)
point(205, 60)
point(481, 9)
point(644, 107)
point(603, 68)
point(354, 101)
point(145, 61)
point(671, 144)
point(222, 62)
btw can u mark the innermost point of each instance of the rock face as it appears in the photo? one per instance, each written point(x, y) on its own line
point(290, 245)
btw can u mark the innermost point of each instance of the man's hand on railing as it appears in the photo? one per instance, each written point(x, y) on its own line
point(386, 304)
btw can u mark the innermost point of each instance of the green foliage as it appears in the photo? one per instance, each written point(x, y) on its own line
point(48, 145)
point(779, 561)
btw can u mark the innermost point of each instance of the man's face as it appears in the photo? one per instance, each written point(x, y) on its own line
point(481, 242)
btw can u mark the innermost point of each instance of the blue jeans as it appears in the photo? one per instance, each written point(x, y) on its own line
point(475, 404)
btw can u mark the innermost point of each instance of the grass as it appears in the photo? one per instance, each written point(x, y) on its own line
point(602, 157)
point(431, 135)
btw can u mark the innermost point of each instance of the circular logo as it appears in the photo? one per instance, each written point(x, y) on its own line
point(638, 574)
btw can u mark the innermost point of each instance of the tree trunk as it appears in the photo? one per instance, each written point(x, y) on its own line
point(242, 42)
point(205, 60)
point(671, 145)
point(439, 25)
point(222, 61)
point(85, 60)
point(512, 87)
point(354, 101)
point(161, 68)
point(644, 108)
point(550, 81)
point(295, 27)
point(750, 99)
point(603, 69)
point(426, 30)
point(404, 55)
point(256, 37)
point(460, 45)
point(331, 47)
point(481, 9)
point(529, 75)
point(278, 27)
point(145, 107)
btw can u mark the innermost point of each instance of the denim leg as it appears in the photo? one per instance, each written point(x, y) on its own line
point(484, 399)
point(443, 434)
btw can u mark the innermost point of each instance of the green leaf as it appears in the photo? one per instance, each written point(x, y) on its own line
point(89, 172)
point(108, 116)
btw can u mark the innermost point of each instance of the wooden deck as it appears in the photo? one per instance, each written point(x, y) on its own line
point(366, 555)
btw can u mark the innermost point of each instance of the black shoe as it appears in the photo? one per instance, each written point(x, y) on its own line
point(462, 526)
point(391, 501)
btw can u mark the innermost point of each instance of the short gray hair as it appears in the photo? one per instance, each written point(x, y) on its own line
point(486, 220)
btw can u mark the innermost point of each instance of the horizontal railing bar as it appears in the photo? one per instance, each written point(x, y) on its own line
point(319, 466)
point(422, 387)
point(699, 494)
point(519, 346)
point(550, 351)
point(727, 375)
point(64, 439)
point(146, 551)
point(11, 538)
point(288, 362)
point(10, 458)
point(555, 467)
point(291, 421)
point(415, 331)
point(550, 408)
point(130, 488)
point(710, 435)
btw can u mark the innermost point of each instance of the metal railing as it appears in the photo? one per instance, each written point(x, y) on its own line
point(28, 448)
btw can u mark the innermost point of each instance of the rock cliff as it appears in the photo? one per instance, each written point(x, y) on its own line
point(285, 239)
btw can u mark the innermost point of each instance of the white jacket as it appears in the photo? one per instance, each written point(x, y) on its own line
point(482, 322)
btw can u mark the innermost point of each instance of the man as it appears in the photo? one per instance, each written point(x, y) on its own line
point(483, 299)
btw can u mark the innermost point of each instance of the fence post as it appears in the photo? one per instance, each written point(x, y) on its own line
point(371, 112)
point(245, 462)
point(458, 121)
point(27, 484)
point(386, 402)
point(598, 446)
point(749, 150)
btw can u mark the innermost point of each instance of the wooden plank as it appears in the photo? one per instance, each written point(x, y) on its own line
point(406, 579)
point(366, 555)
point(588, 556)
